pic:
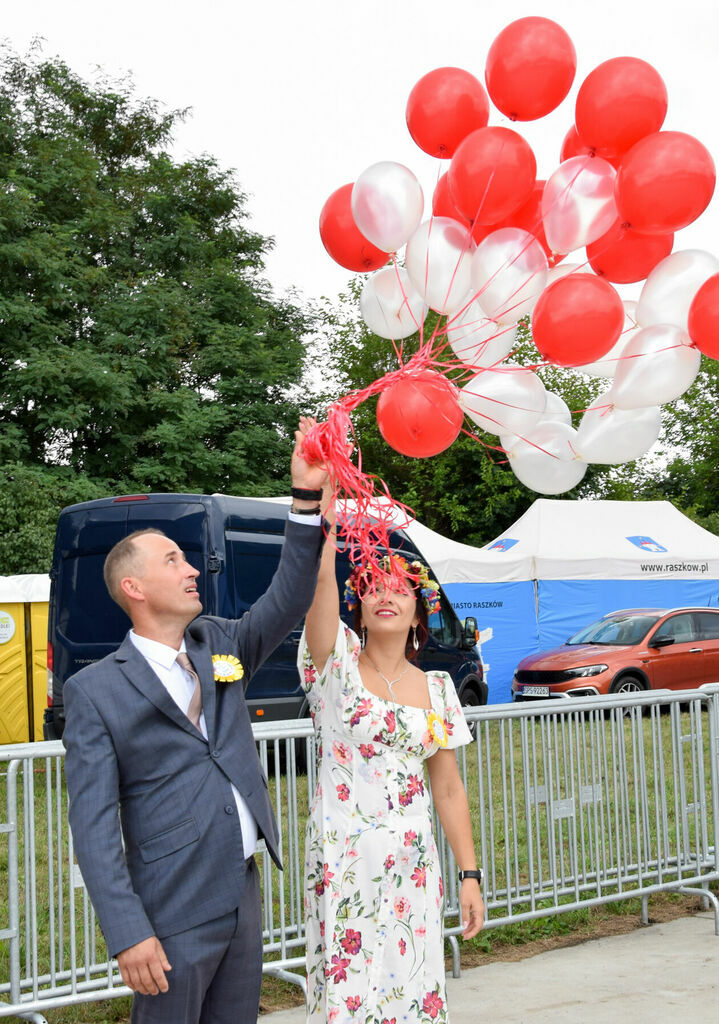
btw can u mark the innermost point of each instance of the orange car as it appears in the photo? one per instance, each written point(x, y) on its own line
point(626, 651)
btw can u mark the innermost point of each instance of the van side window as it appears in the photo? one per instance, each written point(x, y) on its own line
point(444, 625)
point(251, 563)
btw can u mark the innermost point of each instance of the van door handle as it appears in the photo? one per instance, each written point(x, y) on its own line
point(695, 650)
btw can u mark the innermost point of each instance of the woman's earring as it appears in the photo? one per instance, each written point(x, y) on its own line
point(363, 638)
point(415, 641)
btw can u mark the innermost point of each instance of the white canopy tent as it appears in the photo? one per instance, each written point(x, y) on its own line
point(564, 564)
point(598, 540)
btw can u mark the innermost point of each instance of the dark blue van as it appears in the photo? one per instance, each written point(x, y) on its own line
point(235, 543)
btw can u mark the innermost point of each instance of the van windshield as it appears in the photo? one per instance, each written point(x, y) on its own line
point(618, 631)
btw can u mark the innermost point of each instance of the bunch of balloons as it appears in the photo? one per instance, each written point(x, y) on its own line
point(491, 252)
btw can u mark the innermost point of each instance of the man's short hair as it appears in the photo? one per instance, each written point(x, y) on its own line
point(124, 559)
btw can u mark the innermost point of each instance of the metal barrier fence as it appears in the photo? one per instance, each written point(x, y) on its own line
point(576, 803)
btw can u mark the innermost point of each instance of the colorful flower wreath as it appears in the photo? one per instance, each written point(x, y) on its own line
point(398, 570)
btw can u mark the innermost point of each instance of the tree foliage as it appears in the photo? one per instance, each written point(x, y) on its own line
point(691, 477)
point(140, 346)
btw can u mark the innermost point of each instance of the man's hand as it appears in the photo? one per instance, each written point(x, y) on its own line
point(312, 477)
point(143, 967)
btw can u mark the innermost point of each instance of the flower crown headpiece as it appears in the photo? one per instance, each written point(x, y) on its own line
point(416, 571)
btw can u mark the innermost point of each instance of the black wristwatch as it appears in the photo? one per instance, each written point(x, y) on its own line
point(471, 874)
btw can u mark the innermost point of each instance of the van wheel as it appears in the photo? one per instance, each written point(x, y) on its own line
point(471, 699)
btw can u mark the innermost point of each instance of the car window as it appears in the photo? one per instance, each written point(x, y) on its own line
point(679, 627)
point(627, 629)
point(707, 624)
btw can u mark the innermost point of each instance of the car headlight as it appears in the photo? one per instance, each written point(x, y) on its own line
point(585, 670)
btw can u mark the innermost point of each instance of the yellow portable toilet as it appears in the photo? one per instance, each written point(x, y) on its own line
point(23, 656)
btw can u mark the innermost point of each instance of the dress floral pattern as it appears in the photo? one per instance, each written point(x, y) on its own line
point(373, 888)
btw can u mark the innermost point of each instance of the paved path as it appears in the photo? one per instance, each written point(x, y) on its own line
point(656, 975)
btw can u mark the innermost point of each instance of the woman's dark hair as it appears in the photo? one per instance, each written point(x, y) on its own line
point(422, 627)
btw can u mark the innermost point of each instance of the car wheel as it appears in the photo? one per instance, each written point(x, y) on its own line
point(471, 699)
point(628, 684)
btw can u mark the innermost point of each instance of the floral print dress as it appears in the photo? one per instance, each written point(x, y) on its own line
point(373, 888)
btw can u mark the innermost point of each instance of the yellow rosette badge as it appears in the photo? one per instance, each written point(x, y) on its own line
point(227, 668)
point(438, 729)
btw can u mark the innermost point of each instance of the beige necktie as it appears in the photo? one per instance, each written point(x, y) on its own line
point(195, 709)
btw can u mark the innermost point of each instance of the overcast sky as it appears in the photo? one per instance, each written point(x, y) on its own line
point(300, 96)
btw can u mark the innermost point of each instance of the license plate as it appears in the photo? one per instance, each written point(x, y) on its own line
point(536, 691)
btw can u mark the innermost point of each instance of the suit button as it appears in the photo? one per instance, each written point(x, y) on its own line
point(229, 809)
point(215, 754)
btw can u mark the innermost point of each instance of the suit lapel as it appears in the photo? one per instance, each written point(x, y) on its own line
point(201, 658)
point(137, 671)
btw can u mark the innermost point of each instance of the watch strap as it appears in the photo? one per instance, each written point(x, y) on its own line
point(305, 494)
point(472, 873)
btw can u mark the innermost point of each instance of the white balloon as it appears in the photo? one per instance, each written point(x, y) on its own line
point(546, 460)
point(509, 271)
point(578, 204)
point(390, 304)
point(439, 263)
point(611, 436)
point(477, 341)
point(657, 366)
point(510, 399)
point(387, 204)
point(555, 411)
point(670, 288)
point(607, 365)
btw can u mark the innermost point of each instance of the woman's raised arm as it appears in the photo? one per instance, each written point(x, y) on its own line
point(324, 615)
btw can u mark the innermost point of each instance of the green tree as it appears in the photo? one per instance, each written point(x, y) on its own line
point(691, 477)
point(140, 346)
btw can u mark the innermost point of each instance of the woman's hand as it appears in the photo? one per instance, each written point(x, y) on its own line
point(472, 907)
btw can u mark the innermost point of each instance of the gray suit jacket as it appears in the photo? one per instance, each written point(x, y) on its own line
point(130, 747)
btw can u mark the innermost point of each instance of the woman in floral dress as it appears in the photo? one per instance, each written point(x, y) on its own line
point(373, 888)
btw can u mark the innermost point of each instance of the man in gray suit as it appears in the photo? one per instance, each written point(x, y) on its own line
point(173, 878)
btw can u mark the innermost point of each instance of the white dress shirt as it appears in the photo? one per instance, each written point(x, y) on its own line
point(180, 685)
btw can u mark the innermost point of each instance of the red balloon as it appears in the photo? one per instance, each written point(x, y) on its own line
point(623, 255)
point(341, 237)
point(704, 318)
point(664, 182)
point(491, 174)
point(573, 146)
point(419, 414)
point(443, 108)
point(618, 103)
point(577, 320)
point(443, 204)
point(530, 68)
point(528, 216)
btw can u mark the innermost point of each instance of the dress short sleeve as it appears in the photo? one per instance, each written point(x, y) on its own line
point(454, 720)
point(342, 658)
